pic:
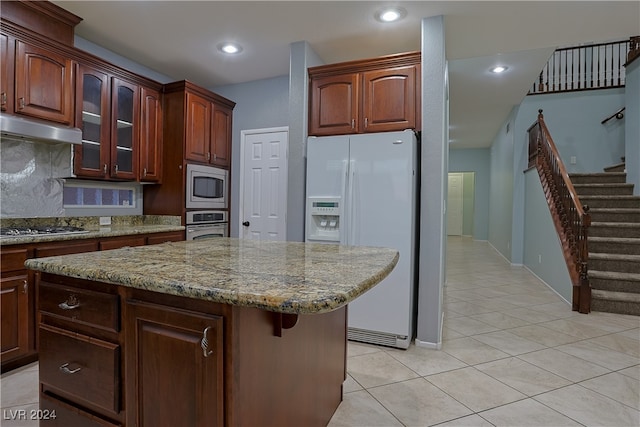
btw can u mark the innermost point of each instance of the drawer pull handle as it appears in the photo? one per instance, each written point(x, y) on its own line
point(204, 343)
point(71, 303)
point(65, 370)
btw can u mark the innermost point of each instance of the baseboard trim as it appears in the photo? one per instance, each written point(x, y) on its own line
point(426, 344)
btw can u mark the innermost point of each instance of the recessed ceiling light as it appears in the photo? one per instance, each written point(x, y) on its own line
point(230, 48)
point(499, 69)
point(391, 14)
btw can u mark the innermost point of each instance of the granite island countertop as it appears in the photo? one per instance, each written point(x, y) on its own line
point(285, 277)
point(120, 226)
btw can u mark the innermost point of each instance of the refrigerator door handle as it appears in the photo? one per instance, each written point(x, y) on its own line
point(352, 203)
point(344, 208)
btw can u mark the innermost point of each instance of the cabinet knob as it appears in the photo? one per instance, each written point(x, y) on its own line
point(204, 343)
point(208, 156)
point(366, 122)
point(4, 98)
point(104, 169)
point(25, 287)
point(246, 223)
point(21, 103)
point(115, 169)
point(353, 123)
point(144, 172)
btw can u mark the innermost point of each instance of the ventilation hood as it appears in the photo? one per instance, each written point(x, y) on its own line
point(21, 128)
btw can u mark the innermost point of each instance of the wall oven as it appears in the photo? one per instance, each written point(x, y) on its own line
point(206, 224)
point(206, 187)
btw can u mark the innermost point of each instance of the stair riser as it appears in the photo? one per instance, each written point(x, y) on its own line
point(619, 307)
point(617, 168)
point(610, 190)
point(615, 216)
point(612, 204)
point(621, 266)
point(605, 178)
point(595, 231)
point(614, 248)
point(615, 285)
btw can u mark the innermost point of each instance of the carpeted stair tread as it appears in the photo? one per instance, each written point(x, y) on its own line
point(614, 275)
point(616, 257)
point(616, 296)
point(622, 240)
point(616, 224)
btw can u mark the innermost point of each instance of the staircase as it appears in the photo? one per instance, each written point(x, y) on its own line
point(614, 239)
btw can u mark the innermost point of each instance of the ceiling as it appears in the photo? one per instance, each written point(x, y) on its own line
point(179, 39)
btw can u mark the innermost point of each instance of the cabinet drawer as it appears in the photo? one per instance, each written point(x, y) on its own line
point(86, 368)
point(121, 242)
point(175, 236)
point(66, 249)
point(54, 413)
point(13, 259)
point(83, 306)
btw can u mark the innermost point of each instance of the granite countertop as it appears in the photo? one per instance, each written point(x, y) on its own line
point(120, 226)
point(285, 277)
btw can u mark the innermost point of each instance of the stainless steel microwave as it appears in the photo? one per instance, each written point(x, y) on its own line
point(207, 187)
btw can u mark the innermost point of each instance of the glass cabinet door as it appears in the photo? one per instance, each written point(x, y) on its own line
point(124, 129)
point(92, 116)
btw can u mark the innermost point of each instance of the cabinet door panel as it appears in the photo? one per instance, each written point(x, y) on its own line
point(14, 303)
point(120, 242)
point(389, 99)
point(44, 83)
point(6, 73)
point(93, 117)
point(173, 380)
point(334, 105)
point(221, 136)
point(151, 136)
point(198, 131)
point(125, 119)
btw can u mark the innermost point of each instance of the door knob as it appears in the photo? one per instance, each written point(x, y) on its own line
point(246, 223)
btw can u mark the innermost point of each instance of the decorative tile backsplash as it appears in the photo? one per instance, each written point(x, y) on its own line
point(30, 178)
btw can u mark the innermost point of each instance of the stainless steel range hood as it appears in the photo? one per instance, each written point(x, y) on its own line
point(21, 128)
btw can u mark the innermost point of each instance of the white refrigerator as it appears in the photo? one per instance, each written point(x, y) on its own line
point(361, 190)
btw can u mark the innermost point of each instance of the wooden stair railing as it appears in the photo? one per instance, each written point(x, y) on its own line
point(570, 217)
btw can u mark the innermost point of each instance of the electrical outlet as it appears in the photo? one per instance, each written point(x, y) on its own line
point(573, 160)
point(105, 220)
point(539, 258)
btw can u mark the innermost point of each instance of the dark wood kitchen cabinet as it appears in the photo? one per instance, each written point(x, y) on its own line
point(206, 120)
point(17, 298)
point(6, 72)
point(121, 124)
point(174, 366)
point(80, 343)
point(150, 148)
point(43, 83)
point(376, 95)
point(197, 126)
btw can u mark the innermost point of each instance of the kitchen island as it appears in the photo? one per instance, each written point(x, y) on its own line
point(213, 332)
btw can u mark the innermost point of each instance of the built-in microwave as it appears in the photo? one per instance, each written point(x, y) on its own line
point(206, 187)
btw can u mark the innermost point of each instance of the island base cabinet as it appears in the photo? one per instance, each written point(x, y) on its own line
point(290, 376)
point(174, 367)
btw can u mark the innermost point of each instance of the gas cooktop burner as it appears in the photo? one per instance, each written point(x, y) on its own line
point(38, 231)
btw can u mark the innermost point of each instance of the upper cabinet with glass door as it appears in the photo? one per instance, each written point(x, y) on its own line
point(113, 123)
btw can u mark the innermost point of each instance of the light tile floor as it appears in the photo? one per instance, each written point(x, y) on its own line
point(513, 354)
